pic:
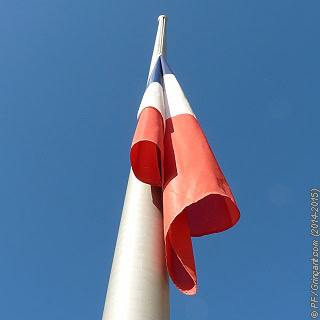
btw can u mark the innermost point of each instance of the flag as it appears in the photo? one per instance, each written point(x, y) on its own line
point(170, 150)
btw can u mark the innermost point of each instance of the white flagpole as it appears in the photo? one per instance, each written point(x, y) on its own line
point(138, 285)
point(160, 42)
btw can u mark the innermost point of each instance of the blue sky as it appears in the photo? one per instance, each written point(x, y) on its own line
point(72, 77)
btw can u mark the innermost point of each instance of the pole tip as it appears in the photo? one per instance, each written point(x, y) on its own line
point(163, 17)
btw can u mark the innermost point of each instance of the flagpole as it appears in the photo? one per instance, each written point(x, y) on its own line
point(160, 42)
point(138, 286)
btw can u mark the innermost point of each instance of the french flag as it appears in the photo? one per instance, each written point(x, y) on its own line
point(170, 150)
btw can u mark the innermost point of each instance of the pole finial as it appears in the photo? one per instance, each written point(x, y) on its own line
point(162, 16)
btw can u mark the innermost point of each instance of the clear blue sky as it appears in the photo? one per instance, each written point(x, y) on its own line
point(71, 79)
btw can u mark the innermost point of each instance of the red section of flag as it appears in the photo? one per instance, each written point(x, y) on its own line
point(196, 197)
point(147, 147)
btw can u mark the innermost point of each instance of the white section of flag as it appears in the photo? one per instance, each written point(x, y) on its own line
point(175, 101)
point(153, 97)
point(170, 101)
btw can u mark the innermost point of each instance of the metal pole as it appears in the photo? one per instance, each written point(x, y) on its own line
point(138, 285)
point(160, 42)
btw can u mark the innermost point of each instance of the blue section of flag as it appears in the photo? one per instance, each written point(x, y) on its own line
point(165, 68)
point(160, 68)
point(156, 74)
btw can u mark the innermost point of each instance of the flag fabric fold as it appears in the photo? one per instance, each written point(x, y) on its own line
point(170, 150)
